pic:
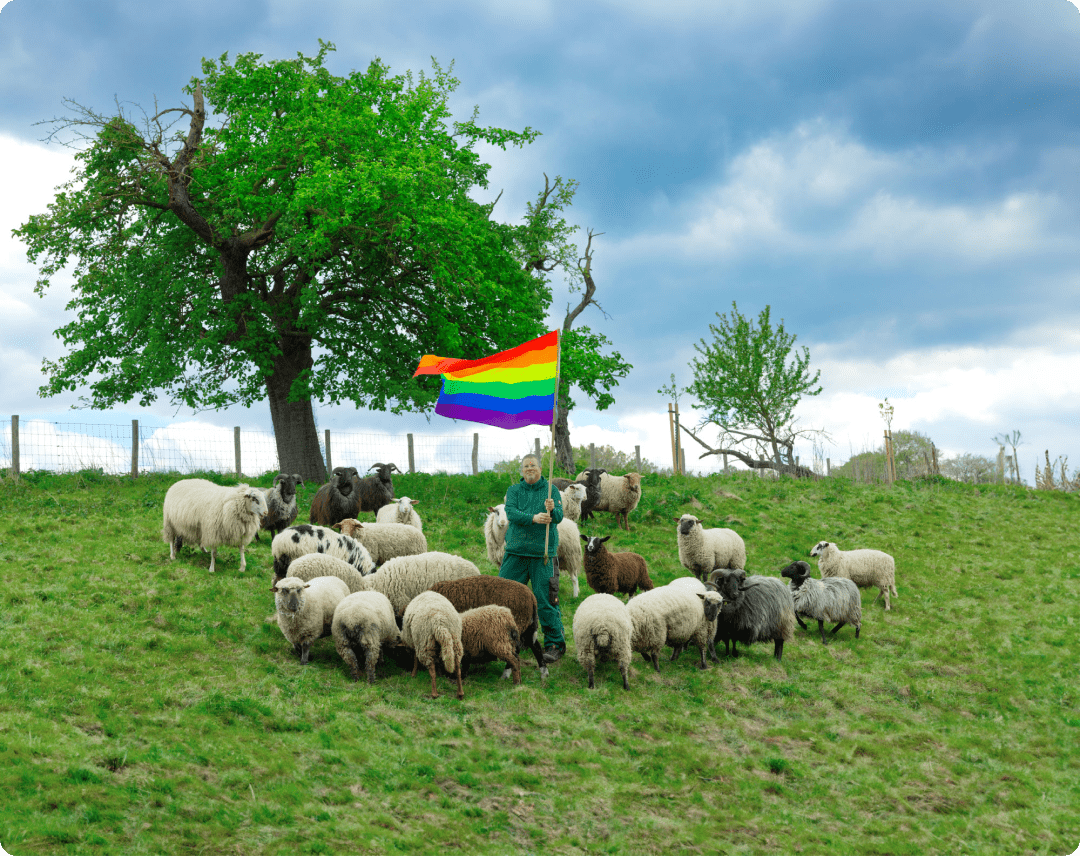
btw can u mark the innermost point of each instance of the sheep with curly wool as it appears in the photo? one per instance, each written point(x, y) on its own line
point(313, 565)
point(614, 573)
point(830, 599)
point(400, 511)
point(363, 625)
point(305, 609)
point(703, 550)
point(297, 541)
point(431, 627)
point(602, 631)
point(385, 541)
point(572, 496)
point(865, 568)
point(209, 515)
point(620, 495)
point(690, 584)
point(337, 499)
point(676, 617)
point(490, 633)
point(755, 609)
point(280, 503)
point(405, 577)
point(471, 592)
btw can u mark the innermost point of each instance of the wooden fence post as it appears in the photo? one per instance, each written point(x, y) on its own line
point(671, 427)
point(134, 448)
point(329, 463)
point(681, 469)
point(682, 462)
point(1001, 465)
point(15, 447)
point(475, 454)
point(412, 460)
point(637, 457)
point(828, 467)
point(236, 448)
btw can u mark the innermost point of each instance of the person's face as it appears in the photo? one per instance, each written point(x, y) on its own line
point(530, 471)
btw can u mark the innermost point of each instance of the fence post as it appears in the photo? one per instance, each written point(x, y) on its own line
point(475, 454)
point(637, 457)
point(329, 463)
point(725, 465)
point(1001, 465)
point(15, 447)
point(134, 448)
point(236, 448)
point(933, 451)
point(412, 461)
point(682, 462)
point(671, 427)
point(592, 455)
point(537, 446)
point(678, 443)
point(828, 467)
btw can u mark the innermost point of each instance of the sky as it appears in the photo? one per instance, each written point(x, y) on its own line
point(898, 182)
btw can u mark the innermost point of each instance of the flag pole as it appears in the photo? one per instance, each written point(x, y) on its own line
point(551, 449)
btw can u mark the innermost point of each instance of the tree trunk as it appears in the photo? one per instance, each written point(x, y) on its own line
point(294, 421)
point(564, 452)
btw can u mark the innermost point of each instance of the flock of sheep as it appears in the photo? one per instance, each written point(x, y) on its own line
point(377, 590)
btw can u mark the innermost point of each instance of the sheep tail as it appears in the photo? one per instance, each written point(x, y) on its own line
point(446, 644)
point(602, 639)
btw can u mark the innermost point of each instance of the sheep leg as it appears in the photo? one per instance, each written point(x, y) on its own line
point(655, 660)
point(625, 678)
point(243, 561)
point(350, 660)
point(803, 626)
point(704, 665)
point(821, 630)
point(369, 666)
point(513, 669)
point(431, 669)
point(213, 555)
point(778, 649)
point(838, 626)
point(460, 688)
point(415, 665)
point(305, 650)
point(574, 578)
point(592, 682)
point(676, 650)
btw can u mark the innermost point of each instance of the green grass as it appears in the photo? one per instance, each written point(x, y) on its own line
point(148, 707)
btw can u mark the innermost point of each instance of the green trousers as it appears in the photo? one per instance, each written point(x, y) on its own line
point(531, 571)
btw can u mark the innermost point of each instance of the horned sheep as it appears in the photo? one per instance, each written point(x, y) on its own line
point(432, 629)
point(209, 515)
point(865, 568)
point(337, 499)
point(830, 599)
point(703, 550)
point(305, 609)
point(755, 609)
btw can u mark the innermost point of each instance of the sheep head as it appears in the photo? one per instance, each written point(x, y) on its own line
point(289, 593)
point(797, 572)
point(348, 526)
point(728, 582)
point(712, 601)
point(594, 546)
point(686, 523)
point(819, 548)
point(344, 479)
point(256, 501)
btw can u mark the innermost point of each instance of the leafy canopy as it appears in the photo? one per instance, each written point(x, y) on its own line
point(301, 208)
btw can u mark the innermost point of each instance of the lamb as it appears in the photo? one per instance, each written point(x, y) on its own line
point(865, 568)
point(755, 609)
point(620, 495)
point(313, 565)
point(405, 577)
point(385, 541)
point(337, 499)
point(602, 631)
point(400, 511)
point(702, 550)
point(490, 633)
point(471, 592)
point(432, 628)
point(300, 540)
point(305, 610)
point(831, 599)
point(280, 503)
point(572, 496)
point(676, 617)
point(364, 623)
point(203, 513)
point(614, 573)
point(569, 551)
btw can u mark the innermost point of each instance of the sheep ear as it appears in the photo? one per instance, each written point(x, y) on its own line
point(605, 538)
point(273, 589)
point(584, 537)
point(701, 594)
point(414, 501)
point(492, 510)
point(298, 477)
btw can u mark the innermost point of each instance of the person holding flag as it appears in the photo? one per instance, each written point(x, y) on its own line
point(512, 389)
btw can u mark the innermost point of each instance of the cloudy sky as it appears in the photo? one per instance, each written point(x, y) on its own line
point(898, 181)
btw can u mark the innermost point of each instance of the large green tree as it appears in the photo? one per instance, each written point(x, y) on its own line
point(292, 235)
point(748, 380)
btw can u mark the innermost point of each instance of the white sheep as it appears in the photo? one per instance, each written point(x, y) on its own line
point(572, 497)
point(690, 584)
point(385, 541)
point(300, 540)
point(602, 631)
point(831, 599)
point(702, 550)
point(431, 627)
point(313, 565)
point(209, 515)
point(865, 568)
point(620, 495)
point(490, 633)
point(305, 609)
point(400, 511)
point(363, 623)
point(568, 553)
point(405, 577)
point(675, 617)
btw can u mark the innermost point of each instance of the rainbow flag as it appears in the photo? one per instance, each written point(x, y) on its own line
point(509, 389)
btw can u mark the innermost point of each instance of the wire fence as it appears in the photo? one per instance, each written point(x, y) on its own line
point(187, 447)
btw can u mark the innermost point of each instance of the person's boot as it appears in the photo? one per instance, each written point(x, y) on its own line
point(554, 653)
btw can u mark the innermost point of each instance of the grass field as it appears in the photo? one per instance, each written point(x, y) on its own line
point(148, 707)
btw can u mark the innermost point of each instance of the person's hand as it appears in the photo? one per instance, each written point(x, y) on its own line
point(549, 504)
point(542, 517)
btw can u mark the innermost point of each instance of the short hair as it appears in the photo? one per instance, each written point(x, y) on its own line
point(527, 457)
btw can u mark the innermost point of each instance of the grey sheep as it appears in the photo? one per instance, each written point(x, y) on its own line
point(865, 568)
point(337, 499)
point(363, 625)
point(831, 599)
point(602, 631)
point(280, 503)
point(320, 565)
point(385, 541)
point(471, 592)
point(432, 629)
point(676, 617)
point(305, 609)
point(209, 515)
point(755, 609)
point(614, 573)
point(490, 633)
point(703, 550)
point(400, 511)
point(297, 541)
point(405, 577)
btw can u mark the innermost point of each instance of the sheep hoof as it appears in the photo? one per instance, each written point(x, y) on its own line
point(544, 672)
point(506, 674)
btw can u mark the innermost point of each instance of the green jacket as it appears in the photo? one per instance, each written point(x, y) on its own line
point(525, 538)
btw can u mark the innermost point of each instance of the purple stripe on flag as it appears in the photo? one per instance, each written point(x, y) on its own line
point(494, 417)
